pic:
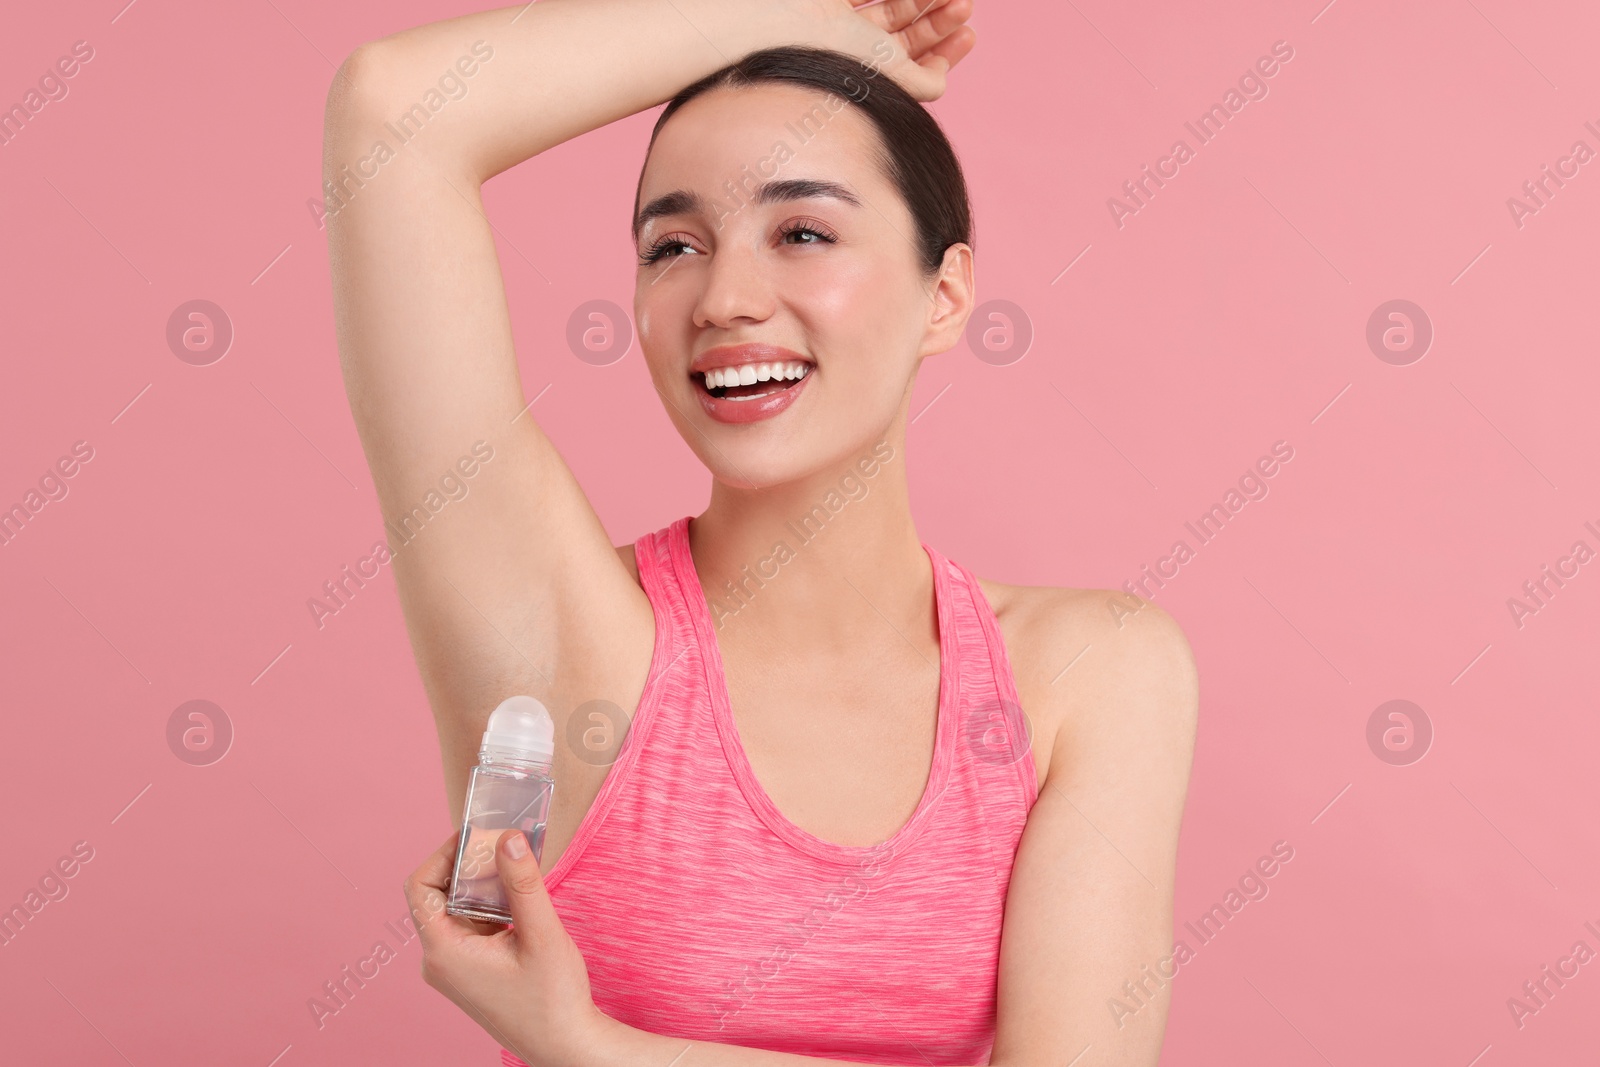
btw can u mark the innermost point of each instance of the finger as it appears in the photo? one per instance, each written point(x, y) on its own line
point(435, 870)
point(954, 48)
point(426, 888)
point(923, 77)
point(936, 27)
point(896, 15)
point(526, 899)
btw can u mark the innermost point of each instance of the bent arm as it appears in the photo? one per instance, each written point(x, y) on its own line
point(1088, 922)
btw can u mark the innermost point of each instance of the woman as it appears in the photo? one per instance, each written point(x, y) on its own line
point(831, 835)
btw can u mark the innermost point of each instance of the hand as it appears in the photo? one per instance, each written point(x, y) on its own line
point(915, 42)
point(526, 984)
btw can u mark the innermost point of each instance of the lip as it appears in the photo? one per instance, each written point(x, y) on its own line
point(742, 411)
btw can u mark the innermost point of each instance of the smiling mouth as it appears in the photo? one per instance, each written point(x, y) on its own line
point(751, 381)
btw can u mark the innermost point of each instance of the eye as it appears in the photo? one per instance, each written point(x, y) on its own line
point(814, 232)
point(809, 228)
point(662, 247)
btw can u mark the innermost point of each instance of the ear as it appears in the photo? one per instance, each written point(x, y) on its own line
point(950, 301)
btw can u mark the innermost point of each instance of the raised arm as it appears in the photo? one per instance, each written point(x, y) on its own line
point(508, 581)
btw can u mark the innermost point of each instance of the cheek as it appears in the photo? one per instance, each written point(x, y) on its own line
point(842, 293)
point(862, 320)
point(657, 338)
point(645, 311)
point(848, 313)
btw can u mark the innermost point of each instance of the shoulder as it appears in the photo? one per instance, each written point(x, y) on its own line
point(1095, 667)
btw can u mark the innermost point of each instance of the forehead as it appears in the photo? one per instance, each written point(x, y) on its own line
point(761, 132)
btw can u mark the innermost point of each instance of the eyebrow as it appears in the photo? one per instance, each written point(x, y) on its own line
point(686, 202)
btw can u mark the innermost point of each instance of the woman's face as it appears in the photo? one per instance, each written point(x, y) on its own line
point(820, 280)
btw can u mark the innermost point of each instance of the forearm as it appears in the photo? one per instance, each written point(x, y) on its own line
point(557, 69)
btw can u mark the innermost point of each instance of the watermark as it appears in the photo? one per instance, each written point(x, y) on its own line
point(199, 732)
point(999, 333)
point(52, 888)
point(811, 523)
point(52, 486)
point(1538, 591)
point(52, 87)
point(1399, 332)
point(199, 332)
point(1537, 993)
point(1251, 485)
point(1541, 190)
point(596, 730)
point(997, 731)
point(599, 332)
point(1399, 732)
point(738, 992)
point(453, 486)
point(338, 992)
point(1141, 991)
point(1252, 85)
point(338, 592)
point(338, 192)
point(882, 52)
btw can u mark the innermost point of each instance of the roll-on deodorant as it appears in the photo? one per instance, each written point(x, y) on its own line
point(510, 788)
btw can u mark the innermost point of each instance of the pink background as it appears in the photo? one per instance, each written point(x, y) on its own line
point(1227, 314)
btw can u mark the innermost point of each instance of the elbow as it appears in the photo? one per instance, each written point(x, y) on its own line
point(352, 115)
point(356, 94)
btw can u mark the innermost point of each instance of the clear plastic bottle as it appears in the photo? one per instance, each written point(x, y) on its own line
point(510, 788)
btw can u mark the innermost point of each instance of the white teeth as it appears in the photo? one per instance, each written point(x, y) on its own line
point(751, 373)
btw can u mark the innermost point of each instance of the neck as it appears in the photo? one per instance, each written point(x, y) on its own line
point(822, 563)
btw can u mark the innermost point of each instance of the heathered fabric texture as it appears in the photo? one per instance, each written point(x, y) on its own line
point(703, 913)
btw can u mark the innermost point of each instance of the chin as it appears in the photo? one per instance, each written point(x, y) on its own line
point(750, 468)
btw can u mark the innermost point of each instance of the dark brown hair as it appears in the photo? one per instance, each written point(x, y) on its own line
point(913, 152)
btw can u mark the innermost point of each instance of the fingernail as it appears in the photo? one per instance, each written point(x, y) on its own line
point(517, 846)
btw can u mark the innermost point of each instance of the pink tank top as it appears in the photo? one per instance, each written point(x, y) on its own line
point(703, 913)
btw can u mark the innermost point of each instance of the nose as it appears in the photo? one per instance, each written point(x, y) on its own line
point(736, 287)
